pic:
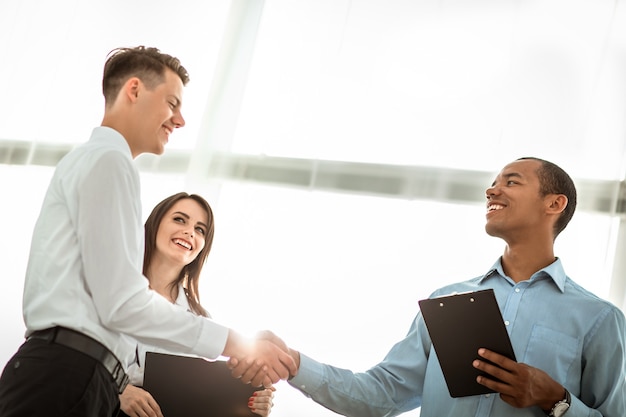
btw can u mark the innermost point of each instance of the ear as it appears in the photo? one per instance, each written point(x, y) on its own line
point(131, 89)
point(556, 203)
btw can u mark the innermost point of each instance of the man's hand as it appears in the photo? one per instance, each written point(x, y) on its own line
point(244, 371)
point(258, 361)
point(136, 402)
point(520, 385)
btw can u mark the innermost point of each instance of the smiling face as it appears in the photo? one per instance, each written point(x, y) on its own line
point(181, 236)
point(157, 113)
point(515, 206)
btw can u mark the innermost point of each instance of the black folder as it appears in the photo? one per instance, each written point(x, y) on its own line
point(458, 326)
point(195, 387)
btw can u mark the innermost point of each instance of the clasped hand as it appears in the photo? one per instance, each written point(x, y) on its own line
point(263, 361)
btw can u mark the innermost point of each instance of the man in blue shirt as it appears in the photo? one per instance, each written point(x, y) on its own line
point(570, 344)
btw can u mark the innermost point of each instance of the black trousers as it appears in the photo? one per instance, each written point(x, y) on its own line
point(47, 379)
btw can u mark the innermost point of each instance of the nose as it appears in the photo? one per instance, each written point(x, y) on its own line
point(178, 120)
point(188, 232)
point(491, 191)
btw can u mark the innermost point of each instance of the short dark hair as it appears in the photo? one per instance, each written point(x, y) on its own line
point(554, 180)
point(190, 274)
point(148, 64)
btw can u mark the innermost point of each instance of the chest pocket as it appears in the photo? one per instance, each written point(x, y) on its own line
point(554, 352)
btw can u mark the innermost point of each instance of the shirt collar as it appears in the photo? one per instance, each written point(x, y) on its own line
point(553, 271)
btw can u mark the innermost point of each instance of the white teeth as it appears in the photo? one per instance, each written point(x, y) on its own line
point(493, 207)
point(182, 243)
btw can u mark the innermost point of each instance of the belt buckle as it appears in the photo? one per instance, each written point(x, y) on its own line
point(121, 379)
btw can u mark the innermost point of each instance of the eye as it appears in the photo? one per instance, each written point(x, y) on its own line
point(179, 219)
point(511, 182)
point(200, 230)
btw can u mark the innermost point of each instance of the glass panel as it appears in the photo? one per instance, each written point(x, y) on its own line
point(444, 84)
point(23, 189)
point(54, 53)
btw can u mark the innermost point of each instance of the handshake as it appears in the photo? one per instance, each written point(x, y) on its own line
point(264, 360)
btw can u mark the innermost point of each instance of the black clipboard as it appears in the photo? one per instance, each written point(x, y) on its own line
point(186, 386)
point(458, 326)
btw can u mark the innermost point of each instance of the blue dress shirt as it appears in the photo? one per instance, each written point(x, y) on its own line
point(554, 324)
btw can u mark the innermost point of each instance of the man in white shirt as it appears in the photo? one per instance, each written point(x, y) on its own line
point(84, 291)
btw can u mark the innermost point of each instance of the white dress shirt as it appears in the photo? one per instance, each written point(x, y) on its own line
point(136, 369)
point(84, 269)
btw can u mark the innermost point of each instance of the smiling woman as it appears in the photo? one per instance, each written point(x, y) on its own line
point(179, 235)
point(178, 239)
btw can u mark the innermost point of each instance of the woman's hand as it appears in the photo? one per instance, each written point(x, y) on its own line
point(261, 401)
point(137, 402)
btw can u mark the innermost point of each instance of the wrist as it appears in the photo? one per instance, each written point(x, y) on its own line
point(236, 345)
point(295, 355)
point(561, 406)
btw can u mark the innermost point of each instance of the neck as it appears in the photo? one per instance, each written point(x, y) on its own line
point(520, 262)
point(114, 118)
point(162, 280)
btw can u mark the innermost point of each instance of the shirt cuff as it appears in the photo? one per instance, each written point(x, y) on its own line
point(310, 375)
point(577, 407)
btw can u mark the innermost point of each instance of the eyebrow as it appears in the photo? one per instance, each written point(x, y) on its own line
point(509, 176)
point(185, 215)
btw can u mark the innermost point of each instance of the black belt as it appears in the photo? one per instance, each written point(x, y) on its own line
point(85, 344)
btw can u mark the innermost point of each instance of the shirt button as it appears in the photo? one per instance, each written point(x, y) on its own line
point(487, 395)
point(506, 322)
point(517, 290)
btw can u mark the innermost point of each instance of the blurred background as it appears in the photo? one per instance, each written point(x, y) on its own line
point(344, 145)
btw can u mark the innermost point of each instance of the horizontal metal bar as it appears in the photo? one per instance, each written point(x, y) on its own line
point(395, 181)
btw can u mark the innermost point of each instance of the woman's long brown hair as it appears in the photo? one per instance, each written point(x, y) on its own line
point(190, 274)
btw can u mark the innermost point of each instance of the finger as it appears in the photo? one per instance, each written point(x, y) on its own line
point(500, 381)
point(490, 383)
point(500, 360)
point(271, 378)
point(232, 363)
point(155, 408)
point(149, 409)
point(265, 376)
point(264, 379)
point(248, 367)
point(493, 370)
point(263, 413)
point(291, 369)
point(261, 400)
point(140, 408)
point(253, 373)
point(261, 403)
point(260, 407)
point(141, 411)
point(265, 393)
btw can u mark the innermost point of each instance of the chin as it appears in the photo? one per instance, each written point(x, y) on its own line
point(158, 150)
point(492, 231)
